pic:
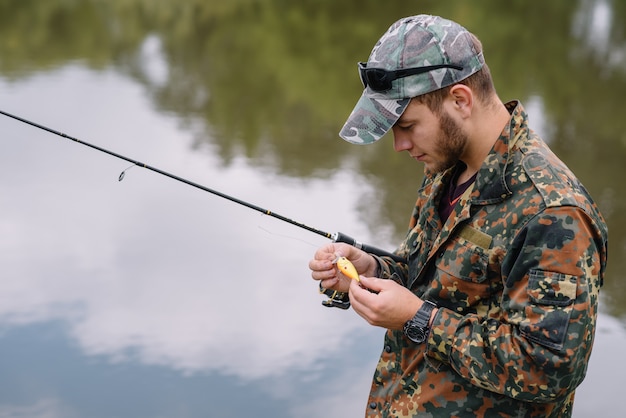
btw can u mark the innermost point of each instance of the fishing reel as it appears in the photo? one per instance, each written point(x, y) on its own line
point(336, 299)
point(339, 299)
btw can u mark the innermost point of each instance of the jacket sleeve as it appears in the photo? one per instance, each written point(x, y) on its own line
point(536, 346)
point(398, 271)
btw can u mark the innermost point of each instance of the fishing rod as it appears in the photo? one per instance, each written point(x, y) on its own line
point(335, 237)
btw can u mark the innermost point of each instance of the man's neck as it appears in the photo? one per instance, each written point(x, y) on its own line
point(489, 122)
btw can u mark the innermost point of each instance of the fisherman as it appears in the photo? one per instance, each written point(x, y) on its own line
point(493, 311)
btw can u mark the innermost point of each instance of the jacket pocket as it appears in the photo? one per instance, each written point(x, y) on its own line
point(464, 260)
point(461, 275)
point(551, 296)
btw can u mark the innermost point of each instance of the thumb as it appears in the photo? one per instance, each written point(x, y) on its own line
point(373, 284)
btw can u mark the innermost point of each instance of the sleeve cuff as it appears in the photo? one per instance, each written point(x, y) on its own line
point(441, 336)
point(384, 271)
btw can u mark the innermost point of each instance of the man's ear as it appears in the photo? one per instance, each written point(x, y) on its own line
point(462, 99)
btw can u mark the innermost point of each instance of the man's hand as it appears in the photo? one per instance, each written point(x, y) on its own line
point(323, 269)
point(383, 303)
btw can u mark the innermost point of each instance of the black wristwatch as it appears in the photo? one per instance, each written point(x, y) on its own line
point(416, 329)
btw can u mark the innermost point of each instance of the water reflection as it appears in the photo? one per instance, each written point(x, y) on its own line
point(175, 302)
point(149, 271)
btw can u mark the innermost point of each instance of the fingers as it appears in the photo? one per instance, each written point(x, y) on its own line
point(382, 302)
point(372, 284)
point(361, 300)
point(322, 266)
point(323, 269)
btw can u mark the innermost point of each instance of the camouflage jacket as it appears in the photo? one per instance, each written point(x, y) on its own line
point(515, 272)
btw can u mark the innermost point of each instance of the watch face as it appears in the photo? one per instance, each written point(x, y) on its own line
point(416, 334)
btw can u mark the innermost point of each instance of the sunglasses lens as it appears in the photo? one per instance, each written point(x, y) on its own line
point(377, 79)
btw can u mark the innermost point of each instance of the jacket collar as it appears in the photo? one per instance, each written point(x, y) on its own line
point(491, 186)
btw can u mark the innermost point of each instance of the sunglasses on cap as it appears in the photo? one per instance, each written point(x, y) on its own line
point(379, 79)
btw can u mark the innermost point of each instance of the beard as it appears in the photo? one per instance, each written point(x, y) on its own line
point(451, 143)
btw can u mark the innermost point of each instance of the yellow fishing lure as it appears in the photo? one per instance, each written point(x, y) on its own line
point(347, 268)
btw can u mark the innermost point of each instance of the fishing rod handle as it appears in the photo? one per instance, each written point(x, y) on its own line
point(341, 237)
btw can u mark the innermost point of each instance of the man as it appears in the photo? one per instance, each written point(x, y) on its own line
point(493, 312)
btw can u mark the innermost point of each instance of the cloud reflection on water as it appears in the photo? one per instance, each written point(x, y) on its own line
point(152, 271)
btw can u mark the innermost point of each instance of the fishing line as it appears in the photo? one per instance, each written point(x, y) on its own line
point(336, 237)
point(286, 236)
point(123, 173)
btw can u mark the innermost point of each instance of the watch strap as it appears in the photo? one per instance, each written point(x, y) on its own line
point(422, 316)
point(419, 323)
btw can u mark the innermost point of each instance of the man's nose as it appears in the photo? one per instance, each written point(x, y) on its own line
point(401, 142)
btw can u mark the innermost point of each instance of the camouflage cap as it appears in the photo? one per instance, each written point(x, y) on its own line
point(415, 41)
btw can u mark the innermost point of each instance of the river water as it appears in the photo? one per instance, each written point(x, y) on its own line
point(149, 298)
